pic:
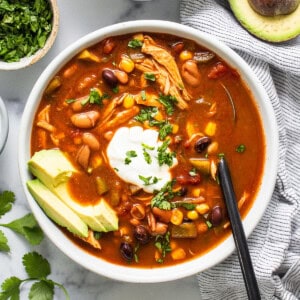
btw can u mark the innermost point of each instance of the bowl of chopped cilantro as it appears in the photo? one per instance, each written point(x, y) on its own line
point(27, 31)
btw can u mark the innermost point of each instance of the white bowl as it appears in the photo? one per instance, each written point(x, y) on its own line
point(3, 125)
point(30, 60)
point(218, 254)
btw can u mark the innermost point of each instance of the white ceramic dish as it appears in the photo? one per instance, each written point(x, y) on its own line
point(219, 253)
point(3, 125)
point(30, 60)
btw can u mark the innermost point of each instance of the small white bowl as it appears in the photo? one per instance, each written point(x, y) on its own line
point(223, 250)
point(30, 60)
point(3, 125)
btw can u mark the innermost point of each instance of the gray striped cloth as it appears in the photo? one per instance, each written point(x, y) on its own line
point(275, 243)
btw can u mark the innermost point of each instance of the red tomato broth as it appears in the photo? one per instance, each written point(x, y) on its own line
point(245, 129)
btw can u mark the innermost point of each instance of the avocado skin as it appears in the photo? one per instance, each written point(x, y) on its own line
point(272, 29)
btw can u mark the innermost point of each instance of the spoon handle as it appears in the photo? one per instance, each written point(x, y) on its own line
point(238, 231)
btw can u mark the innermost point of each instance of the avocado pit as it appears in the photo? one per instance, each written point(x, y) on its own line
point(271, 8)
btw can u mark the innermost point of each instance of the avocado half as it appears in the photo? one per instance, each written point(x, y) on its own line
point(273, 29)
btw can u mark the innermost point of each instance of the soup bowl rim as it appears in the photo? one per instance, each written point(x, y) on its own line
point(225, 248)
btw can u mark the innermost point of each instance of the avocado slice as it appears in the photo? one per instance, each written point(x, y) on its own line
point(273, 29)
point(56, 209)
point(53, 168)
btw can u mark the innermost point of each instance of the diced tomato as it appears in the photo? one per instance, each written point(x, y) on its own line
point(217, 71)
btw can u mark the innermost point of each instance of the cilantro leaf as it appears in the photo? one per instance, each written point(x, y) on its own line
point(149, 76)
point(3, 242)
point(6, 200)
point(163, 197)
point(42, 290)
point(28, 227)
point(36, 265)
point(11, 288)
point(165, 156)
point(168, 102)
point(135, 43)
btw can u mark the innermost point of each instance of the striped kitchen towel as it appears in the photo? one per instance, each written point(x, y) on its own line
point(275, 243)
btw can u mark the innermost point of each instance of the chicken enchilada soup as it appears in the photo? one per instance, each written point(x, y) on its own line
point(125, 146)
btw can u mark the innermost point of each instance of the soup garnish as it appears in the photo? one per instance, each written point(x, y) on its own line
point(136, 125)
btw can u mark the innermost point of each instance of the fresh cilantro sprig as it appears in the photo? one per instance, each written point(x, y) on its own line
point(94, 97)
point(25, 226)
point(38, 269)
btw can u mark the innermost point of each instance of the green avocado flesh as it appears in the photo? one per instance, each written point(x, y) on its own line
point(53, 169)
point(273, 29)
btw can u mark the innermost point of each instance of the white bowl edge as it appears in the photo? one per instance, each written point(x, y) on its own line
point(207, 260)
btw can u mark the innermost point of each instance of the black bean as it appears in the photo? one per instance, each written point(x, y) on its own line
point(109, 77)
point(141, 234)
point(216, 216)
point(202, 143)
point(183, 191)
point(126, 251)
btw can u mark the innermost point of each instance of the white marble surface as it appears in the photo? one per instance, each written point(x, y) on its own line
point(77, 17)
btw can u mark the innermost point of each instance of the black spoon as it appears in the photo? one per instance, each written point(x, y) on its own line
point(238, 231)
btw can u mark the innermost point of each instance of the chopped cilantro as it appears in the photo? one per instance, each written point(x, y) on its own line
point(163, 197)
point(240, 148)
point(129, 155)
point(149, 76)
point(24, 28)
point(147, 156)
point(162, 243)
point(146, 114)
point(149, 180)
point(165, 156)
point(143, 95)
point(168, 102)
point(94, 97)
point(116, 89)
point(135, 43)
point(193, 172)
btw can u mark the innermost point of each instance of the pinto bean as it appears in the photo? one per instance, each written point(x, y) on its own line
point(190, 73)
point(83, 156)
point(121, 76)
point(86, 119)
point(160, 228)
point(91, 140)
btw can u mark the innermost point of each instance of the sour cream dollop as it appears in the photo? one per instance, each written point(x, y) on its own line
point(132, 153)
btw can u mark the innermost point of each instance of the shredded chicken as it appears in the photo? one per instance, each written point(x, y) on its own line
point(165, 81)
point(90, 239)
point(165, 69)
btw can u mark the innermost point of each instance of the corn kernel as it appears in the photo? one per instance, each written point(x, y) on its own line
point(128, 101)
point(185, 55)
point(202, 208)
point(126, 64)
point(193, 215)
point(96, 161)
point(177, 216)
point(178, 253)
point(139, 36)
point(210, 128)
point(175, 128)
point(88, 56)
point(196, 192)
